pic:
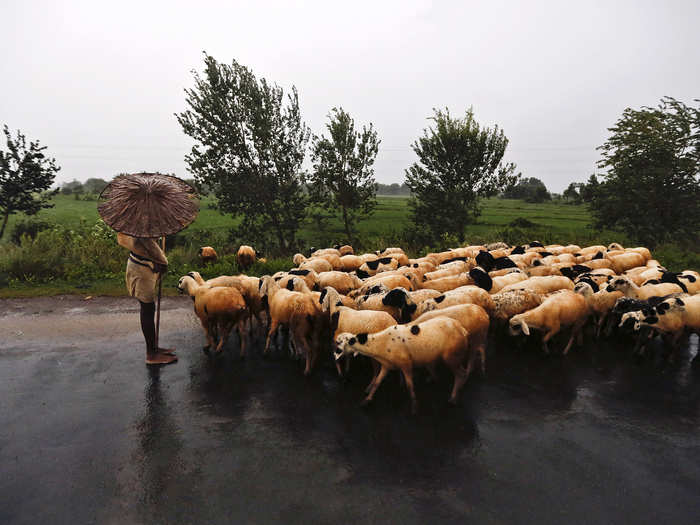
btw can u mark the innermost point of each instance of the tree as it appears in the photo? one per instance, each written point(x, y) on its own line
point(250, 145)
point(528, 189)
point(343, 175)
point(74, 186)
point(459, 163)
point(587, 191)
point(651, 188)
point(25, 176)
point(95, 185)
point(571, 193)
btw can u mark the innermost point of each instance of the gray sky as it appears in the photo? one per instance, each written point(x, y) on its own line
point(99, 84)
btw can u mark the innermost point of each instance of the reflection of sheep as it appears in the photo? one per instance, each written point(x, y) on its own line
point(562, 309)
point(406, 347)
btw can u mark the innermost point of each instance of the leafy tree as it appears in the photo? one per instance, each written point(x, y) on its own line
point(528, 189)
point(343, 174)
point(25, 176)
point(459, 163)
point(587, 191)
point(94, 185)
point(74, 186)
point(250, 145)
point(651, 188)
point(571, 193)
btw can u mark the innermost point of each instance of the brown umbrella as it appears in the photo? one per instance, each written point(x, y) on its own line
point(148, 204)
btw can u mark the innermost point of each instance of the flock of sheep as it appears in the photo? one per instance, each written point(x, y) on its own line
point(406, 313)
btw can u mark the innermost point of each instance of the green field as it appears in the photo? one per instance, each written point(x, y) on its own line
point(81, 257)
point(391, 216)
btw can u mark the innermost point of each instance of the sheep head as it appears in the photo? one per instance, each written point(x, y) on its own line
point(347, 343)
point(517, 325)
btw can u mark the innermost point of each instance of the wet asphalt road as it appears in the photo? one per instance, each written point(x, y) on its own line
point(89, 435)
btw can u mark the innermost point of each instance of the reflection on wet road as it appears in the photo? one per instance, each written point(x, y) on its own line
point(88, 434)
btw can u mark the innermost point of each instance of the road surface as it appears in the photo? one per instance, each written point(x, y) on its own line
point(89, 435)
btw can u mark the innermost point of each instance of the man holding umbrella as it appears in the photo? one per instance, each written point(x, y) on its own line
point(142, 208)
point(145, 267)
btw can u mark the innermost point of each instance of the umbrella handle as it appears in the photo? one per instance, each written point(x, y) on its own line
point(160, 285)
point(160, 288)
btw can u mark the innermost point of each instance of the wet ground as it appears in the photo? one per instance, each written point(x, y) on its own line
point(89, 435)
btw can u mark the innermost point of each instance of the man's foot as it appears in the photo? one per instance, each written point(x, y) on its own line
point(160, 359)
point(166, 351)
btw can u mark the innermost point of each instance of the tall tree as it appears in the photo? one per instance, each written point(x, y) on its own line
point(343, 174)
point(459, 163)
point(250, 145)
point(651, 187)
point(25, 176)
point(529, 189)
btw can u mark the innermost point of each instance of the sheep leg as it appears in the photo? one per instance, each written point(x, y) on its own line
point(571, 340)
point(375, 384)
point(433, 373)
point(461, 376)
point(408, 376)
point(226, 328)
point(272, 330)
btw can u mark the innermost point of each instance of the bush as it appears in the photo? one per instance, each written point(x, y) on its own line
point(522, 222)
point(29, 228)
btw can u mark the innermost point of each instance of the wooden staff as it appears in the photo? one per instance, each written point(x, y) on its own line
point(160, 287)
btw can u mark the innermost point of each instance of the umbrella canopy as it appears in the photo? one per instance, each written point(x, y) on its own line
point(148, 204)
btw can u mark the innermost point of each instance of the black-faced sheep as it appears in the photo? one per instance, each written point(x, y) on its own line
point(627, 287)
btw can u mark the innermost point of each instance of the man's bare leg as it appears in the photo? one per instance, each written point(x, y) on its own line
point(154, 356)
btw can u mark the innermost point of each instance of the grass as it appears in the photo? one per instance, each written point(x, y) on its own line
point(82, 258)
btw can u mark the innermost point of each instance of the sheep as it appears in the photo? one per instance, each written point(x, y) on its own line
point(247, 286)
point(245, 257)
point(542, 285)
point(691, 279)
point(396, 302)
point(340, 281)
point(448, 283)
point(474, 319)
point(317, 264)
point(488, 261)
point(600, 302)
point(309, 277)
point(418, 296)
point(614, 246)
point(296, 310)
point(675, 317)
point(626, 261)
point(207, 254)
point(293, 283)
point(630, 289)
point(346, 249)
point(495, 284)
point(644, 252)
point(508, 303)
point(333, 259)
point(325, 251)
point(344, 319)
point(219, 309)
point(406, 347)
point(371, 268)
point(445, 270)
point(562, 309)
point(461, 295)
point(350, 263)
point(390, 281)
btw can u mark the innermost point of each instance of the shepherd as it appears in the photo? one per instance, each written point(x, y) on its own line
point(142, 208)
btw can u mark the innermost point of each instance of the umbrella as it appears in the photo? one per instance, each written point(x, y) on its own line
point(148, 204)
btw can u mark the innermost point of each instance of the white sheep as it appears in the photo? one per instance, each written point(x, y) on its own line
point(561, 309)
point(405, 347)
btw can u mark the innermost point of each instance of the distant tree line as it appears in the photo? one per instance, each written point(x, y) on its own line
point(528, 189)
point(393, 189)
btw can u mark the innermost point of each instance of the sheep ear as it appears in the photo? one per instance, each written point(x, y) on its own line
point(680, 302)
point(323, 294)
point(290, 285)
point(525, 328)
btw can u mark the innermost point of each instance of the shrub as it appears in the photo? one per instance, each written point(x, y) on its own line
point(30, 228)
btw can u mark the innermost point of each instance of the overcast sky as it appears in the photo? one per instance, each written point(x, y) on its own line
point(99, 84)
